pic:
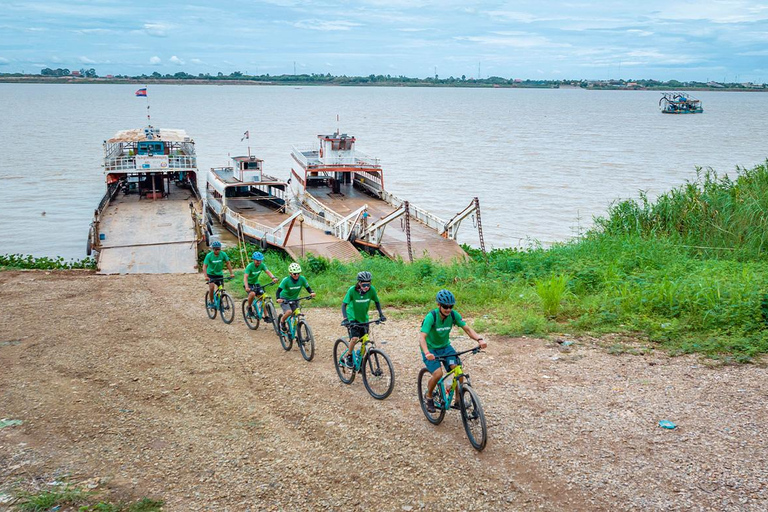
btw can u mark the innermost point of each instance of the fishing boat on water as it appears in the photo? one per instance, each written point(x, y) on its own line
point(150, 218)
point(679, 103)
point(252, 205)
point(341, 190)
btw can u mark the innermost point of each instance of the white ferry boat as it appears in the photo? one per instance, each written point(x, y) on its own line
point(149, 220)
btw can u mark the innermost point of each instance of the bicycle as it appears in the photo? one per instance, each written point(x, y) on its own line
point(299, 330)
point(262, 307)
point(472, 414)
point(222, 303)
point(372, 362)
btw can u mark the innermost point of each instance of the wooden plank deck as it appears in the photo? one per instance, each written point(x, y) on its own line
point(148, 237)
point(304, 240)
point(425, 242)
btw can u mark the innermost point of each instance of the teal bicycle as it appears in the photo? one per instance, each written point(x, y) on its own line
point(262, 308)
point(455, 383)
point(222, 303)
point(299, 330)
point(372, 362)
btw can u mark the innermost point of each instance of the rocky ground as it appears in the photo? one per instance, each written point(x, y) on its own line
point(123, 384)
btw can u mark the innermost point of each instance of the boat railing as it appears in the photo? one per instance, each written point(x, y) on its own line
point(329, 217)
point(370, 181)
point(128, 163)
point(254, 229)
point(428, 219)
point(348, 159)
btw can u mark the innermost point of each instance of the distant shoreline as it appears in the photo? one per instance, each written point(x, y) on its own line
point(282, 83)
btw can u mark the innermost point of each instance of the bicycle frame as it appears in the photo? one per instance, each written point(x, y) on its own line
point(294, 318)
point(258, 301)
point(365, 340)
point(457, 373)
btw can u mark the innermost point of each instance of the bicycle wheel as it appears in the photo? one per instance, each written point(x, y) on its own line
point(346, 374)
point(252, 321)
point(423, 384)
point(378, 374)
point(227, 308)
point(211, 311)
point(272, 314)
point(285, 337)
point(473, 417)
point(306, 340)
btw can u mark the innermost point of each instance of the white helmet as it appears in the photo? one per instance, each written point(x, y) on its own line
point(294, 268)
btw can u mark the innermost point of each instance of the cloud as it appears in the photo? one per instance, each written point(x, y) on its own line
point(4, 61)
point(326, 25)
point(86, 60)
point(155, 60)
point(637, 32)
point(94, 31)
point(514, 41)
point(196, 61)
point(156, 29)
point(175, 60)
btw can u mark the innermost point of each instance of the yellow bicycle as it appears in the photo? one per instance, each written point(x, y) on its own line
point(372, 362)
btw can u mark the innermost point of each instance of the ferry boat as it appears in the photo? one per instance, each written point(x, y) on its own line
point(252, 205)
point(679, 103)
point(341, 190)
point(150, 218)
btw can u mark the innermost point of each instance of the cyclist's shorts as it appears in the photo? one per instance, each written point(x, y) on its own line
point(357, 331)
point(289, 306)
point(217, 280)
point(256, 288)
point(434, 365)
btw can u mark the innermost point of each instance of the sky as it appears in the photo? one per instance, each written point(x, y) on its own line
point(705, 40)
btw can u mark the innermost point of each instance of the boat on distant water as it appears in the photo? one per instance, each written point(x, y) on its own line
point(679, 103)
point(150, 218)
point(341, 190)
point(252, 205)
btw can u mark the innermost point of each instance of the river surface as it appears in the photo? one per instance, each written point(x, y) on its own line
point(542, 162)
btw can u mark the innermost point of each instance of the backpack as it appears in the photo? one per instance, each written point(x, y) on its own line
point(434, 319)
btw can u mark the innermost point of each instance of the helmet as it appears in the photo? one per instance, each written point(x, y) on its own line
point(216, 245)
point(294, 268)
point(258, 256)
point(445, 298)
point(364, 276)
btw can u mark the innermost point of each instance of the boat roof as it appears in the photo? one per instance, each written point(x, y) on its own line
point(162, 134)
point(246, 159)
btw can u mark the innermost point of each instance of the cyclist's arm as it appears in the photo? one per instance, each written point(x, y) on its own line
point(423, 343)
point(245, 280)
point(229, 267)
point(309, 290)
point(271, 275)
point(378, 308)
point(205, 270)
point(344, 311)
point(472, 334)
point(277, 294)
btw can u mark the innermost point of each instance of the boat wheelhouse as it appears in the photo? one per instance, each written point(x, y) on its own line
point(341, 190)
point(149, 220)
point(252, 205)
point(679, 103)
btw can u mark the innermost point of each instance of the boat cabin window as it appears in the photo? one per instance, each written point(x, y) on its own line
point(150, 148)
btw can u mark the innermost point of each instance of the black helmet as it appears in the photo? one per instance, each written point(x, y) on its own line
point(364, 276)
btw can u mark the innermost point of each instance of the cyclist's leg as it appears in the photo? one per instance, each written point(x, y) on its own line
point(211, 290)
point(251, 296)
point(287, 312)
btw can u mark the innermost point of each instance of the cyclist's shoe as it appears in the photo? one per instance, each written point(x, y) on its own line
point(455, 405)
point(348, 361)
point(430, 403)
point(284, 327)
point(210, 305)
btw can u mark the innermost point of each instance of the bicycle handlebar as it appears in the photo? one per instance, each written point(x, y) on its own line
point(474, 350)
point(308, 297)
point(377, 321)
point(225, 278)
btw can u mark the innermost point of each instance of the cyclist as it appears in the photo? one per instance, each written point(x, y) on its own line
point(288, 291)
point(251, 278)
point(354, 308)
point(213, 268)
point(435, 341)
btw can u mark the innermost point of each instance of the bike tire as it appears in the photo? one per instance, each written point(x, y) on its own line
point(285, 338)
point(305, 340)
point(423, 385)
point(272, 313)
point(251, 321)
point(211, 311)
point(378, 374)
point(473, 417)
point(345, 373)
point(227, 308)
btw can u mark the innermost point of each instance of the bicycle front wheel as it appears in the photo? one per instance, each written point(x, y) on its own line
point(286, 340)
point(250, 317)
point(423, 385)
point(346, 373)
point(378, 374)
point(473, 417)
point(305, 340)
point(227, 308)
point(271, 313)
point(210, 310)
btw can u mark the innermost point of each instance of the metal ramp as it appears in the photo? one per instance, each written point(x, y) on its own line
point(305, 242)
point(147, 237)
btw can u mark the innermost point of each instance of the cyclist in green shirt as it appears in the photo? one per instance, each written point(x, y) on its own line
point(251, 277)
point(213, 268)
point(354, 309)
point(435, 341)
point(288, 291)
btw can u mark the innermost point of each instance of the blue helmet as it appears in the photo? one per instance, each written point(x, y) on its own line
point(445, 298)
point(216, 245)
point(258, 256)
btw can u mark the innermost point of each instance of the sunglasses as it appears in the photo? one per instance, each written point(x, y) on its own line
point(365, 285)
point(295, 273)
point(444, 306)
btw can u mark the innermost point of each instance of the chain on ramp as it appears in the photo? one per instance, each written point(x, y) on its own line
point(408, 230)
point(480, 227)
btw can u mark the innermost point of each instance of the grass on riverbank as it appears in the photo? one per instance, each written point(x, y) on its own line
point(21, 261)
point(686, 272)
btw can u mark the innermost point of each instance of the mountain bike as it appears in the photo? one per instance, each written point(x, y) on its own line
point(262, 307)
point(222, 303)
point(372, 362)
point(451, 384)
point(299, 330)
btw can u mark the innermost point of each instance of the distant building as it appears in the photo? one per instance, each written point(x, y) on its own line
point(76, 73)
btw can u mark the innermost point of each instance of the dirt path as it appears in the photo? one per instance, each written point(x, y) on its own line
point(120, 379)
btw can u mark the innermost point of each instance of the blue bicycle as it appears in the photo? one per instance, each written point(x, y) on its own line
point(262, 308)
point(299, 330)
point(222, 303)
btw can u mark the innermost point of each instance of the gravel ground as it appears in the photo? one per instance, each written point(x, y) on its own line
point(123, 384)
